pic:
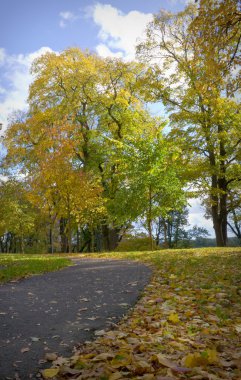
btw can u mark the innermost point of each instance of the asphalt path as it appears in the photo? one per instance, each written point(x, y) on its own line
point(58, 311)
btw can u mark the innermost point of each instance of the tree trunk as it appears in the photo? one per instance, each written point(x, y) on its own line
point(98, 240)
point(219, 197)
point(219, 216)
point(110, 238)
point(113, 238)
point(22, 244)
point(78, 239)
point(63, 237)
point(1, 246)
point(69, 237)
point(149, 218)
point(236, 228)
point(51, 246)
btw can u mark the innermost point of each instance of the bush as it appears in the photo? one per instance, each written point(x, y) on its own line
point(135, 244)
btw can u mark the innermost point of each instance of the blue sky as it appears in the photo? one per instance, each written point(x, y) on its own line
point(28, 28)
point(27, 25)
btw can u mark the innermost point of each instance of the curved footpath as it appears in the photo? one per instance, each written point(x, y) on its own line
point(56, 312)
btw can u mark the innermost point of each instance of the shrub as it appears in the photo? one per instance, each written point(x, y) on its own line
point(135, 244)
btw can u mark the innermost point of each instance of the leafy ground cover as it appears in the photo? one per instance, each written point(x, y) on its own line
point(187, 324)
point(16, 266)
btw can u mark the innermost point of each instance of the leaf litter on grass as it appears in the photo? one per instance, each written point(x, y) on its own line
point(186, 326)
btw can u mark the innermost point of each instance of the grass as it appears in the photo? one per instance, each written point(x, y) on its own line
point(17, 266)
point(187, 324)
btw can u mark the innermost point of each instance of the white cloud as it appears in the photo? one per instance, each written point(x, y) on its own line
point(66, 17)
point(119, 32)
point(181, 2)
point(104, 51)
point(196, 217)
point(2, 55)
point(17, 78)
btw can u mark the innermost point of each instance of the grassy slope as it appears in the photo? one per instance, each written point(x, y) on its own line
point(16, 266)
point(187, 325)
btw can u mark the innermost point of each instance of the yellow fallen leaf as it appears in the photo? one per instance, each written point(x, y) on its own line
point(115, 376)
point(205, 331)
point(188, 313)
point(163, 361)
point(193, 360)
point(173, 318)
point(120, 360)
point(201, 359)
point(148, 376)
point(212, 356)
point(50, 373)
point(178, 345)
point(103, 356)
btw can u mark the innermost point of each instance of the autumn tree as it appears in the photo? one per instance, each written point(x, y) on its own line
point(76, 101)
point(67, 196)
point(195, 71)
point(87, 121)
point(18, 218)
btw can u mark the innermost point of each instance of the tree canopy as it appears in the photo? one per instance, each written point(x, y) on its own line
point(195, 72)
point(91, 160)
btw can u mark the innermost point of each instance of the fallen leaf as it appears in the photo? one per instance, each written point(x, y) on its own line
point(173, 318)
point(100, 332)
point(142, 367)
point(115, 376)
point(35, 339)
point(201, 359)
point(103, 356)
point(124, 304)
point(25, 349)
point(65, 370)
point(92, 318)
point(60, 361)
point(51, 356)
point(148, 376)
point(227, 364)
point(212, 356)
point(159, 358)
point(120, 360)
point(50, 373)
point(238, 328)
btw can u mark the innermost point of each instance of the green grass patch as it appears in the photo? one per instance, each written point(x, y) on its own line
point(17, 266)
point(218, 266)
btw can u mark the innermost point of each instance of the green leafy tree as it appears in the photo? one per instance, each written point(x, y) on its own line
point(149, 176)
point(196, 74)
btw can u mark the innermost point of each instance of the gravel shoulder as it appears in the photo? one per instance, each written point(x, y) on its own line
point(59, 311)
